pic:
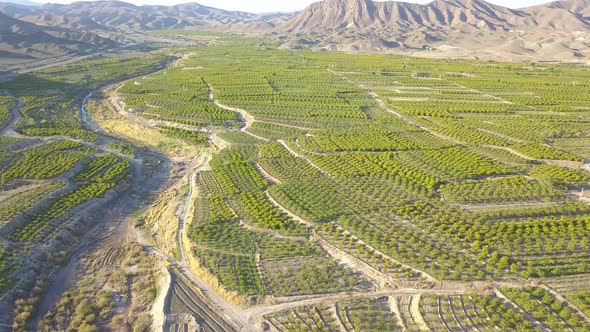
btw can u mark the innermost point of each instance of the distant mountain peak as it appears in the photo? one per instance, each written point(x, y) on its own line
point(351, 3)
point(572, 4)
point(22, 2)
point(560, 27)
point(458, 25)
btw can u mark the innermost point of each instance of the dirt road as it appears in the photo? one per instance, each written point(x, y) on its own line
point(244, 116)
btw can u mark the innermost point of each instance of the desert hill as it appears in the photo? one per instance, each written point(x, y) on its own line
point(470, 28)
point(557, 31)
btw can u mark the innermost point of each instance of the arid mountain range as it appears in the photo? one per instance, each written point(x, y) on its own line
point(553, 31)
point(558, 31)
point(24, 40)
point(110, 15)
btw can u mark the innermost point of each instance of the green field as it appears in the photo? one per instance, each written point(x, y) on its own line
point(372, 144)
point(337, 174)
point(451, 170)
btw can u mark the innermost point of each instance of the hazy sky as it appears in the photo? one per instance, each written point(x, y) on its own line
point(261, 6)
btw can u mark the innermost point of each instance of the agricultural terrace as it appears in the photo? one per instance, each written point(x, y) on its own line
point(388, 192)
point(417, 171)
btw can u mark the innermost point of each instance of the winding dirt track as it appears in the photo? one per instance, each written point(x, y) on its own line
point(245, 117)
point(182, 221)
point(307, 160)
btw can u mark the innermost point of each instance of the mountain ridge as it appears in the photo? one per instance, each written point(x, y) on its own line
point(558, 30)
point(470, 28)
point(24, 40)
point(122, 15)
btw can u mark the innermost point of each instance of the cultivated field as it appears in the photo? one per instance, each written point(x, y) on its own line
point(306, 191)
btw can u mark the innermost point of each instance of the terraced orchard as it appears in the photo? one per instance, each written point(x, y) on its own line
point(401, 193)
point(470, 312)
point(334, 192)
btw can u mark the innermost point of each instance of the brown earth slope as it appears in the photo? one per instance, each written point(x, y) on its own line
point(471, 28)
point(19, 39)
point(109, 15)
point(556, 31)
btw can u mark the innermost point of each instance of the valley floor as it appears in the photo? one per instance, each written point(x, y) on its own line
point(243, 187)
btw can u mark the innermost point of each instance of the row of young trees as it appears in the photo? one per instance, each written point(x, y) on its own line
point(544, 307)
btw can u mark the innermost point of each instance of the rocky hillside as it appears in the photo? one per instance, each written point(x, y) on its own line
point(470, 28)
point(108, 15)
point(558, 31)
point(24, 40)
